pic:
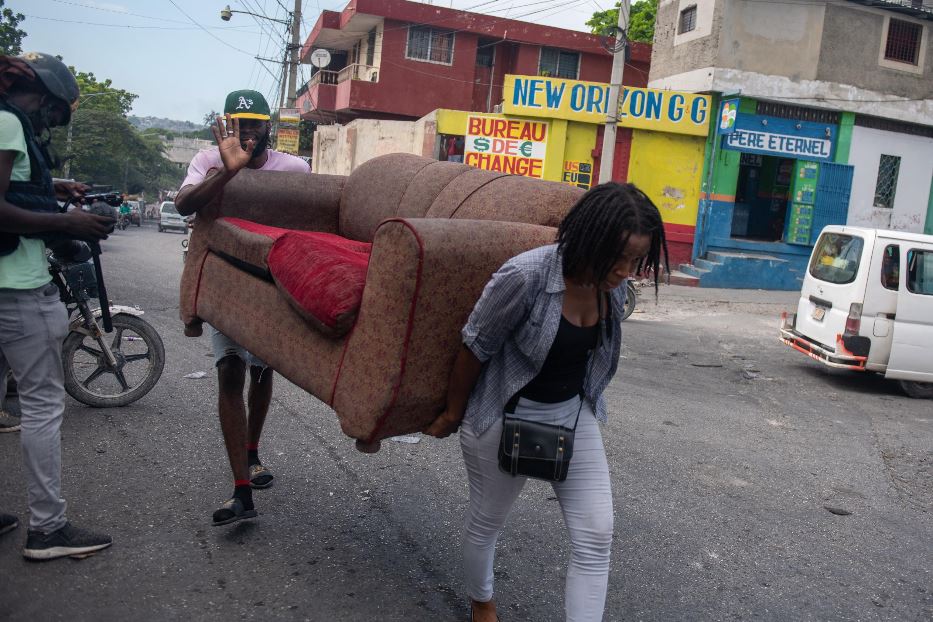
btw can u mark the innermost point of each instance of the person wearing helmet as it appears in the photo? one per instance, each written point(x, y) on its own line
point(38, 92)
point(242, 137)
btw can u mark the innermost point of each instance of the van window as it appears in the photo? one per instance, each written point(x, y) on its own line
point(169, 208)
point(920, 272)
point(891, 267)
point(836, 259)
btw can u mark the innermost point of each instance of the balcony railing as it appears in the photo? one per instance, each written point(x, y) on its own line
point(323, 77)
point(922, 9)
point(367, 73)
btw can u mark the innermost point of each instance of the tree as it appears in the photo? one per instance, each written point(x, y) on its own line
point(211, 117)
point(97, 95)
point(640, 21)
point(11, 37)
point(104, 148)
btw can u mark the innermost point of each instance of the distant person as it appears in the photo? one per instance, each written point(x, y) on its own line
point(541, 345)
point(242, 142)
point(37, 93)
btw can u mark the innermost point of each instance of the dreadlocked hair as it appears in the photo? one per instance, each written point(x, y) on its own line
point(593, 235)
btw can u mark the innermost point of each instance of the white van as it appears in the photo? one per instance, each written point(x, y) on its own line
point(867, 304)
point(169, 218)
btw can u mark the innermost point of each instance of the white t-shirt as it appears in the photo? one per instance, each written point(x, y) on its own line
point(206, 159)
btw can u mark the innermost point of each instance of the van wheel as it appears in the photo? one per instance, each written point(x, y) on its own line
point(917, 390)
point(160, 228)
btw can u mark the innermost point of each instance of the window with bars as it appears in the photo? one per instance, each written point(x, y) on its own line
point(688, 19)
point(559, 64)
point(903, 44)
point(886, 185)
point(430, 45)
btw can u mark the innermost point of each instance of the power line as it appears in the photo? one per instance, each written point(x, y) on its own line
point(83, 23)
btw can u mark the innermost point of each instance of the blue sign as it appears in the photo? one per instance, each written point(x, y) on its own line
point(789, 138)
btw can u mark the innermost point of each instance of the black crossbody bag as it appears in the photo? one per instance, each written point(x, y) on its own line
point(540, 450)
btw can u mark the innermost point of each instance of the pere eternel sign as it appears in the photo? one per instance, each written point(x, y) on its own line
point(588, 102)
point(775, 136)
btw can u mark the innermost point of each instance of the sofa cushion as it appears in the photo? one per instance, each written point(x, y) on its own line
point(244, 243)
point(322, 276)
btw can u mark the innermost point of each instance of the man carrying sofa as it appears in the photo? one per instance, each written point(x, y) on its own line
point(242, 142)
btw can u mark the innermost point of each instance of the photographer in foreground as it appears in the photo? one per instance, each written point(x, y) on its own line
point(38, 92)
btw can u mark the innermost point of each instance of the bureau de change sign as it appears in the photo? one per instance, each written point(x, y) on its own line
point(509, 146)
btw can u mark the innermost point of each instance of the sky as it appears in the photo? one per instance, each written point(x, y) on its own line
point(182, 59)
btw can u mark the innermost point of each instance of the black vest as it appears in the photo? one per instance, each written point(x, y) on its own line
point(37, 194)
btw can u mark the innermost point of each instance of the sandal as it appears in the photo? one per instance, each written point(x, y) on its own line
point(232, 511)
point(260, 476)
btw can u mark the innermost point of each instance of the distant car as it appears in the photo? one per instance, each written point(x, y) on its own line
point(135, 214)
point(170, 219)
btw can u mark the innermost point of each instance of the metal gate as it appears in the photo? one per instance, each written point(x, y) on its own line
point(831, 204)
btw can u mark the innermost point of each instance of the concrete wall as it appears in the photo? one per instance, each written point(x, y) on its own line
point(912, 194)
point(338, 149)
point(770, 38)
point(860, 60)
point(668, 59)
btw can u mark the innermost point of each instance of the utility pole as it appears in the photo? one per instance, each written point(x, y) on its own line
point(615, 88)
point(293, 61)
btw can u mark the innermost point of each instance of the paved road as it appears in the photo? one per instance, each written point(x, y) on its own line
point(725, 449)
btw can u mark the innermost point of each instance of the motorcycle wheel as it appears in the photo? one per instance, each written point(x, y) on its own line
point(140, 358)
point(917, 390)
point(631, 296)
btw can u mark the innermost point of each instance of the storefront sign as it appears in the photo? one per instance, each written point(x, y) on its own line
point(579, 174)
point(801, 140)
point(506, 145)
point(287, 133)
point(728, 112)
point(588, 102)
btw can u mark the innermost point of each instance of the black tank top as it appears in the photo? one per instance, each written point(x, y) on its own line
point(564, 370)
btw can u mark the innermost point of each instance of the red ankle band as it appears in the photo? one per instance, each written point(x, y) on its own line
point(252, 447)
point(240, 482)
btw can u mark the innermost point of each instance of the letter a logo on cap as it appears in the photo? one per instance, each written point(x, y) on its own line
point(244, 104)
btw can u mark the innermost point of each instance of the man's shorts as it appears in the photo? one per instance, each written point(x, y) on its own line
point(223, 347)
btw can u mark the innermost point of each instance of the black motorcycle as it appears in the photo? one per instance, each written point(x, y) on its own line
point(111, 356)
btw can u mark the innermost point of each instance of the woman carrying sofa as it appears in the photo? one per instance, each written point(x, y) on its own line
point(539, 349)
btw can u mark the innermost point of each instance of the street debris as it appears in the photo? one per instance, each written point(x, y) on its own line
point(196, 375)
point(837, 511)
point(411, 440)
point(706, 364)
point(750, 374)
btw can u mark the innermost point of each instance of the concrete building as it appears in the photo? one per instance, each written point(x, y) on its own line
point(831, 122)
point(181, 150)
point(394, 59)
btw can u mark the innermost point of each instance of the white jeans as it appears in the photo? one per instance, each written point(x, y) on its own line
point(585, 499)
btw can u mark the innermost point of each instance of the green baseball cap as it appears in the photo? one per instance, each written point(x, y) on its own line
point(246, 104)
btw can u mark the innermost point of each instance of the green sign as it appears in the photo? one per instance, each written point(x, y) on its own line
point(803, 196)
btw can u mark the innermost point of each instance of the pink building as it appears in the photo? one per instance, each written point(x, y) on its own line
point(393, 59)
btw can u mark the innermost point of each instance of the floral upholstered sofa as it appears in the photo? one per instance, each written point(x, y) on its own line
point(355, 288)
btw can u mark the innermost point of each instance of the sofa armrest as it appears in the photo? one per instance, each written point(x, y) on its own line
point(425, 275)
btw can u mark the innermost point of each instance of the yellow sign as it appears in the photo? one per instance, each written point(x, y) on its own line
point(287, 141)
point(506, 145)
point(574, 100)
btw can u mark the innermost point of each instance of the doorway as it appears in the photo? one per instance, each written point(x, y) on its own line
point(761, 197)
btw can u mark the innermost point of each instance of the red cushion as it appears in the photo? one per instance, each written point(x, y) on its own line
point(322, 276)
point(254, 227)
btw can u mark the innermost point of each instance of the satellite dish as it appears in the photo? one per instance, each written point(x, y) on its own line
point(320, 58)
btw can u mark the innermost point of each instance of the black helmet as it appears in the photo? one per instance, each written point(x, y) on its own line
point(56, 77)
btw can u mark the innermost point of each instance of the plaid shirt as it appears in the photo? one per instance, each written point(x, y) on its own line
point(511, 330)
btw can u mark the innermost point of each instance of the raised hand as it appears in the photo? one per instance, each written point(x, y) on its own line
point(226, 132)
